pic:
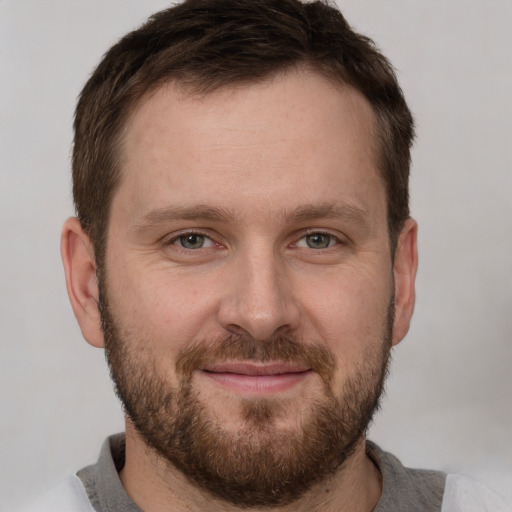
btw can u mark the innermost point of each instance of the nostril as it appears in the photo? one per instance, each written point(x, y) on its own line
point(236, 329)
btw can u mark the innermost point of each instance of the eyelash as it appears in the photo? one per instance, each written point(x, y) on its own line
point(176, 239)
point(332, 238)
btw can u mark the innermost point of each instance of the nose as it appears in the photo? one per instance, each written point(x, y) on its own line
point(258, 296)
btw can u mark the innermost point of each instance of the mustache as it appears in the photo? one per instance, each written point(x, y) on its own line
point(245, 348)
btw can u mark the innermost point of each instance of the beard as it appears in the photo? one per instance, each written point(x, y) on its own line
point(260, 464)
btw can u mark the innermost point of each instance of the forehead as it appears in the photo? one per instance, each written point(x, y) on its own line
point(296, 138)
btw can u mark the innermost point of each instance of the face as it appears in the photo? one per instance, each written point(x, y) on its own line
point(248, 286)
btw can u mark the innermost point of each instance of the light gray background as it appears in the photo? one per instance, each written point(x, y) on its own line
point(448, 404)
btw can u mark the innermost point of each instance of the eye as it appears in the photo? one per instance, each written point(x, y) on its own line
point(193, 241)
point(317, 241)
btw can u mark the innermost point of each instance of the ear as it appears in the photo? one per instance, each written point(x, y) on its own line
point(404, 270)
point(81, 282)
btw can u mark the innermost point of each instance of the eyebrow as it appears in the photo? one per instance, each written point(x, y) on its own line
point(334, 210)
point(202, 212)
point(163, 216)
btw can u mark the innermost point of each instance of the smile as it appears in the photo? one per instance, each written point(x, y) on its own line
point(257, 379)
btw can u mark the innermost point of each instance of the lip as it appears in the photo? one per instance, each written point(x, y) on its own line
point(259, 379)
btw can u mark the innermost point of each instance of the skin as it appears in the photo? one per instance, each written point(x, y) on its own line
point(238, 166)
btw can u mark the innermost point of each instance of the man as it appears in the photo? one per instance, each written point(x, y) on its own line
point(243, 250)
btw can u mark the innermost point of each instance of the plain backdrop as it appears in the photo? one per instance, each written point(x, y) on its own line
point(448, 403)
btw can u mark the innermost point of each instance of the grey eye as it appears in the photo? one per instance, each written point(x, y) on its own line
point(318, 240)
point(192, 241)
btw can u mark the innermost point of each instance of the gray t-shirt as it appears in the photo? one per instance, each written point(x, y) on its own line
point(404, 489)
point(97, 488)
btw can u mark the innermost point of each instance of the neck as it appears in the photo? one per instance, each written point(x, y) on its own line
point(156, 486)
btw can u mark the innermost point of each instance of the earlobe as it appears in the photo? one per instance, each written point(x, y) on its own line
point(404, 268)
point(81, 282)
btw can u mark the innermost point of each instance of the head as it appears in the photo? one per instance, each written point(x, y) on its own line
point(243, 247)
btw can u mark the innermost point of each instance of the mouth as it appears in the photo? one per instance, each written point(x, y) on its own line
point(258, 379)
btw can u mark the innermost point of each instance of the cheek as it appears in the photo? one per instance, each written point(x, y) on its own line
point(349, 313)
point(165, 309)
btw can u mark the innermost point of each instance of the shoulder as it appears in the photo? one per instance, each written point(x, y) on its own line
point(430, 491)
point(405, 488)
point(68, 496)
point(463, 494)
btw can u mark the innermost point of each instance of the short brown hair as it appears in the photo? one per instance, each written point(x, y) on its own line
point(208, 44)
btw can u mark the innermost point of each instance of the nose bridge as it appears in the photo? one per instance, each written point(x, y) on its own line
point(259, 299)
